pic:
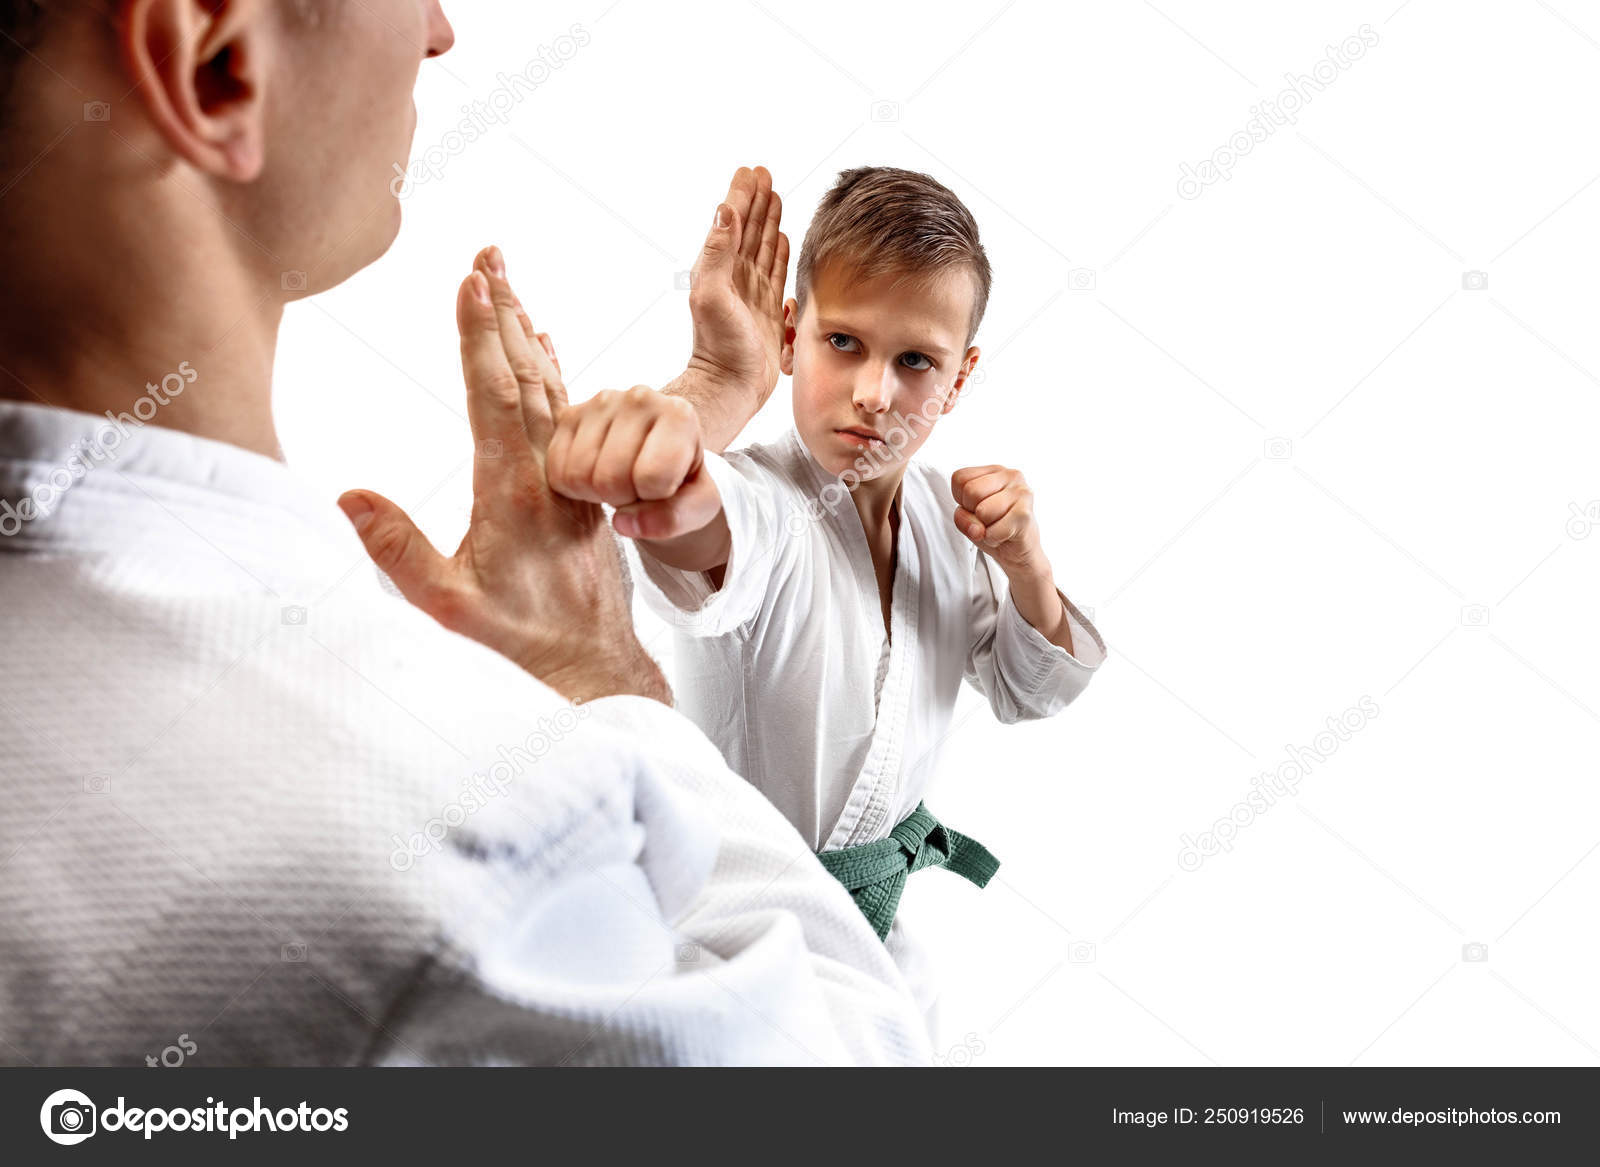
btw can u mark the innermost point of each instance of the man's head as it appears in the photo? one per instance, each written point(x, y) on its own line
point(890, 288)
point(284, 117)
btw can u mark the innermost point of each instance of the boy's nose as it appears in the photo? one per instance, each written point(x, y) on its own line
point(874, 388)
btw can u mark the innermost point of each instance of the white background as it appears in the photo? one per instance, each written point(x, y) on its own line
point(1412, 547)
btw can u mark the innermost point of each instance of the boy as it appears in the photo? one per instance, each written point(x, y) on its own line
point(830, 594)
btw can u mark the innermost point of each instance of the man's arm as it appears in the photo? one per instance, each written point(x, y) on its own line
point(537, 577)
point(693, 927)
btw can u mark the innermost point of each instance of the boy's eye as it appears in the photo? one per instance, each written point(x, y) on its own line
point(910, 359)
point(842, 342)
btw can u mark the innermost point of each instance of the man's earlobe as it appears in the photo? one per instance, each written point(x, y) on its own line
point(200, 68)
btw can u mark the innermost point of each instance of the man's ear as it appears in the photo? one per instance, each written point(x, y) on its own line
point(791, 325)
point(199, 67)
point(968, 363)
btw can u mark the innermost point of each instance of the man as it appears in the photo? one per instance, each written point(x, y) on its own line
point(248, 797)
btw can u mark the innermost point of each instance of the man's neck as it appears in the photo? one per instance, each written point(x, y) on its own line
point(167, 324)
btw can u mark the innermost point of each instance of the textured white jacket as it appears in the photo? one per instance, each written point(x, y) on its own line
point(788, 669)
point(249, 796)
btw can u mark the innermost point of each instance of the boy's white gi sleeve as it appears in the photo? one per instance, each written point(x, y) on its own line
point(688, 600)
point(1011, 663)
point(669, 916)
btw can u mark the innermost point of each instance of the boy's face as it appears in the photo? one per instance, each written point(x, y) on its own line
point(875, 363)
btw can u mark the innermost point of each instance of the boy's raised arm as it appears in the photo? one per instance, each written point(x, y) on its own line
point(642, 452)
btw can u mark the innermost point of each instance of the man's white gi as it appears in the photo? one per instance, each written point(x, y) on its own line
point(250, 796)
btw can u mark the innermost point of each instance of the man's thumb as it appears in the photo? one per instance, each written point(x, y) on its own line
point(401, 552)
point(722, 241)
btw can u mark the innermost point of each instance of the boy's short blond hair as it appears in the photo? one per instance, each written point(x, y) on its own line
point(881, 220)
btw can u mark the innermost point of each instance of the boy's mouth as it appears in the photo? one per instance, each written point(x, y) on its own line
point(860, 437)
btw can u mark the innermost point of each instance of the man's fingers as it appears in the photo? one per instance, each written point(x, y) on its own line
point(741, 193)
point(769, 234)
point(729, 225)
point(536, 374)
point(694, 505)
point(494, 398)
point(780, 267)
point(756, 223)
point(548, 345)
point(400, 551)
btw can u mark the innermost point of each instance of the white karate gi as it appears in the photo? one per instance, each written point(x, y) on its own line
point(226, 753)
point(786, 668)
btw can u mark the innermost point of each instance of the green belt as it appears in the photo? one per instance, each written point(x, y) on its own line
point(875, 873)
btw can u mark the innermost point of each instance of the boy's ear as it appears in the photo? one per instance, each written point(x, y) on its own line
point(200, 67)
point(791, 325)
point(968, 363)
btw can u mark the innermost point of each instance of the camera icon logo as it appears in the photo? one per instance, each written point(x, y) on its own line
point(1081, 952)
point(682, 281)
point(1082, 279)
point(294, 953)
point(294, 281)
point(97, 784)
point(96, 111)
point(1474, 616)
point(68, 1117)
point(1475, 953)
point(1584, 519)
point(1278, 449)
point(1474, 281)
point(294, 614)
point(491, 448)
point(687, 953)
point(886, 111)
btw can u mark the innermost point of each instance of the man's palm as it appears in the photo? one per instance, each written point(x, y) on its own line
point(736, 291)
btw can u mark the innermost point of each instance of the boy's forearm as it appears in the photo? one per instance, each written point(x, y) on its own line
point(724, 406)
point(702, 550)
point(1035, 596)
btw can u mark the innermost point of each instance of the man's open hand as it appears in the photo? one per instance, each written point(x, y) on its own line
point(537, 577)
point(736, 291)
